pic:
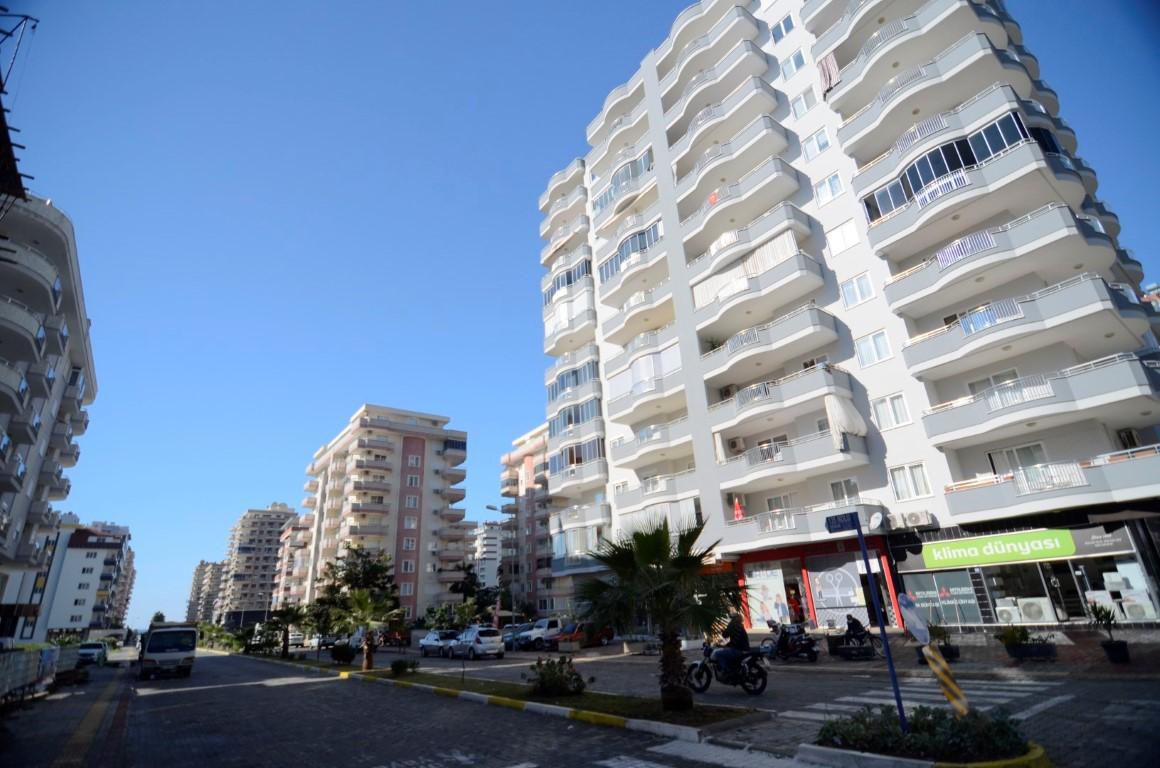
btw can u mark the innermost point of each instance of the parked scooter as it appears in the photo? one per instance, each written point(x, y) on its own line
point(788, 642)
point(748, 673)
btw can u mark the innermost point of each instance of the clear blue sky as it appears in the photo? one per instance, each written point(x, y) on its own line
point(283, 213)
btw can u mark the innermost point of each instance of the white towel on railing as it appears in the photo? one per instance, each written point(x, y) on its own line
point(844, 419)
point(831, 74)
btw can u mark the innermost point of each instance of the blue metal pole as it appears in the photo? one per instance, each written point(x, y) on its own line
point(881, 624)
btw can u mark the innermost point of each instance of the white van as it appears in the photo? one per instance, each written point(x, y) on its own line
point(540, 635)
point(168, 648)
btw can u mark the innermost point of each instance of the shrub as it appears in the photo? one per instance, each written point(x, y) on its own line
point(935, 734)
point(399, 667)
point(1013, 635)
point(555, 678)
point(412, 665)
point(342, 653)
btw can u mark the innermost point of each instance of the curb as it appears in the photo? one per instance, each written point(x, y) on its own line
point(841, 758)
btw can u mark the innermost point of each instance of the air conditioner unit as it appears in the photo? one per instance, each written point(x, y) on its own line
point(737, 445)
point(918, 517)
point(1137, 606)
point(895, 520)
point(1008, 615)
point(1037, 609)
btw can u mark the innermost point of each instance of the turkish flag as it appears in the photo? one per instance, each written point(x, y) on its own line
point(738, 512)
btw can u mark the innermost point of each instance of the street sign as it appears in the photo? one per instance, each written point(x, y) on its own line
point(846, 521)
point(914, 620)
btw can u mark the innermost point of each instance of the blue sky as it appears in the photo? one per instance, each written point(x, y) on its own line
point(283, 213)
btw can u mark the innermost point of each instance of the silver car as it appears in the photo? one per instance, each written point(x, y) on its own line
point(475, 642)
point(435, 642)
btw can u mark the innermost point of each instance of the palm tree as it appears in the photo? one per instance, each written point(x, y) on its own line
point(661, 574)
point(285, 617)
point(368, 611)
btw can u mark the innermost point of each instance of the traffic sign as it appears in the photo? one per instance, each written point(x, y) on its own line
point(915, 623)
point(847, 521)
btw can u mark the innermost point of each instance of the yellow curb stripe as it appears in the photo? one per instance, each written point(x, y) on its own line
point(598, 718)
point(78, 745)
point(503, 701)
point(1035, 758)
point(448, 692)
point(400, 683)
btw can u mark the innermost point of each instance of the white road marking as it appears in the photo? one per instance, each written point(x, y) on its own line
point(621, 761)
point(724, 756)
point(522, 765)
point(271, 683)
point(1042, 706)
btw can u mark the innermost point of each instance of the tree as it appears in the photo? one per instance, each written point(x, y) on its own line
point(288, 616)
point(469, 585)
point(322, 620)
point(440, 617)
point(366, 610)
point(662, 574)
point(360, 586)
point(158, 617)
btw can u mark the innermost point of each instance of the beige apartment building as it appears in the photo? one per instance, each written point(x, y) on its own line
point(204, 591)
point(247, 581)
point(835, 257)
point(388, 482)
point(293, 550)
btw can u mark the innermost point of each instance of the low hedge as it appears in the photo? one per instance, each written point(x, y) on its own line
point(934, 734)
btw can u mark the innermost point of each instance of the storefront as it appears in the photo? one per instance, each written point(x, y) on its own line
point(818, 582)
point(1044, 576)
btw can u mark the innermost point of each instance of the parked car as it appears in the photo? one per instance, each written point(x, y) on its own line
point(297, 639)
point(92, 653)
point(435, 642)
point(540, 635)
point(511, 632)
point(585, 633)
point(321, 641)
point(475, 642)
point(396, 639)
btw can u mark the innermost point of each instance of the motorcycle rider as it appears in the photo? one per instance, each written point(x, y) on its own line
point(854, 629)
point(736, 646)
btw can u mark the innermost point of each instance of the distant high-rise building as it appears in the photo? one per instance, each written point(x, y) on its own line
point(293, 551)
point(251, 563)
point(204, 591)
point(386, 483)
point(82, 588)
point(483, 545)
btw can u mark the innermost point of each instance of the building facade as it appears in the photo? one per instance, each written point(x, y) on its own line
point(293, 551)
point(832, 257)
point(525, 564)
point(46, 380)
point(84, 580)
point(483, 546)
point(204, 590)
point(388, 483)
point(247, 581)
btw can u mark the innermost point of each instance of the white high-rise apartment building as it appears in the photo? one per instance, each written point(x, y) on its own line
point(204, 590)
point(83, 585)
point(842, 257)
point(482, 551)
point(247, 580)
point(387, 483)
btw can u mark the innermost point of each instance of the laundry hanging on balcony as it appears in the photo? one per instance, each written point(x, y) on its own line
point(844, 419)
point(831, 75)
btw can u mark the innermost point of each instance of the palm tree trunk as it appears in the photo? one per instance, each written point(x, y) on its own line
point(286, 642)
point(675, 695)
point(368, 651)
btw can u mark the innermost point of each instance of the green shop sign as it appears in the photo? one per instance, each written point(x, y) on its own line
point(1002, 548)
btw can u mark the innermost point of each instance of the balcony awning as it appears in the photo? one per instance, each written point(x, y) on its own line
point(844, 419)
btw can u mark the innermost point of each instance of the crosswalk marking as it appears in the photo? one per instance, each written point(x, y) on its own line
point(621, 761)
point(713, 754)
point(1042, 706)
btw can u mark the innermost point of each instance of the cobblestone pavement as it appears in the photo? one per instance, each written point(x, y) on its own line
point(242, 712)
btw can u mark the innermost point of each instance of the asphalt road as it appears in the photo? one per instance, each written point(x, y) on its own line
point(242, 712)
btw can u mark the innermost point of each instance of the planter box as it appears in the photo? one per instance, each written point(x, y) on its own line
point(856, 652)
point(1116, 650)
point(1036, 651)
point(949, 652)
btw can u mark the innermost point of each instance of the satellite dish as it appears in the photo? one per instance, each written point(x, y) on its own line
point(876, 520)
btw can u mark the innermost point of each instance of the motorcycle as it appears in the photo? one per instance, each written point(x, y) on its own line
point(788, 642)
point(748, 673)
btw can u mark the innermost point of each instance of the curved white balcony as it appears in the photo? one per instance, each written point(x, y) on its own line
point(712, 84)
point(904, 43)
point(757, 350)
point(560, 182)
point(579, 477)
point(653, 443)
point(650, 340)
point(1087, 175)
point(795, 525)
point(1106, 216)
point(573, 395)
point(1113, 390)
point(577, 433)
point(1020, 177)
point(1085, 312)
point(22, 335)
point(663, 394)
point(565, 337)
point(819, 15)
point(621, 99)
point(734, 243)
point(858, 21)
point(780, 401)
point(1119, 478)
point(563, 263)
point(568, 292)
point(1036, 115)
point(570, 360)
point(641, 312)
point(639, 191)
point(563, 238)
point(761, 139)
point(1046, 95)
point(640, 271)
point(1132, 267)
point(563, 209)
point(717, 122)
point(657, 490)
point(27, 272)
point(689, 25)
point(1050, 242)
point(625, 133)
point(967, 66)
point(13, 388)
point(745, 296)
point(769, 466)
point(773, 180)
point(736, 25)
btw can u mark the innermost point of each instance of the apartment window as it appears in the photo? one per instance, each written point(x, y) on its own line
point(844, 490)
point(572, 416)
point(410, 522)
point(828, 188)
point(909, 482)
point(409, 544)
point(407, 566)
point(638, 242)
point(79, 601)
point(378, 499)
point(803, 102)
point(411, 502)
point(842, 237)
point(414, 460)
point(774, 503)
point(890, 411)
point(568, 278)
point(83, 585)
point(872, 348)
point(76, 618)
point(90, 555)
point(406, 589)
point(793, 63)
point(781, 29)
point(857, 290)
point(815, 144)
point(86, 570)
point(413, 481)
